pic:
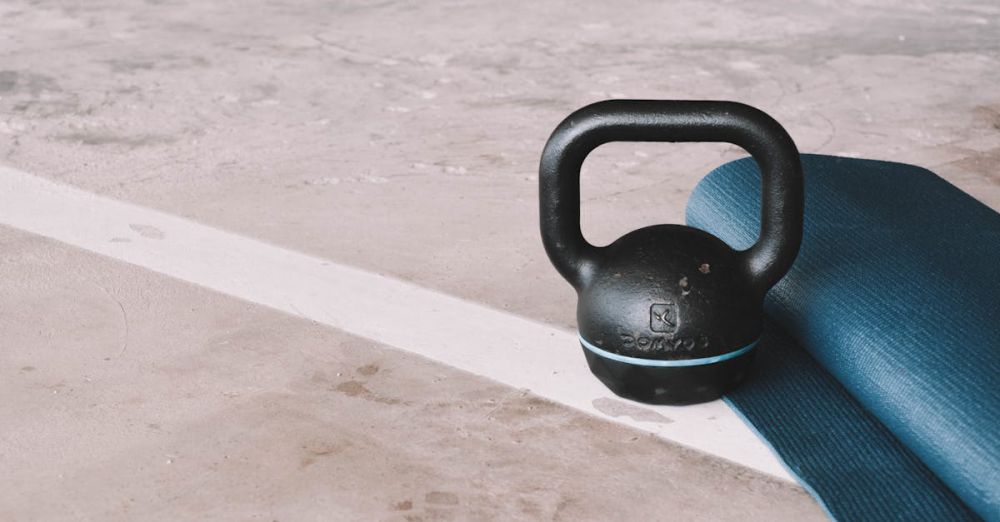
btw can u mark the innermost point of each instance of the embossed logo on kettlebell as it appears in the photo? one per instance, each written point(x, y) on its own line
point(663, 317)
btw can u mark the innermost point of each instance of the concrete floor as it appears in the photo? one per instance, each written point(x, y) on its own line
point(132, 396)
point(401, 138)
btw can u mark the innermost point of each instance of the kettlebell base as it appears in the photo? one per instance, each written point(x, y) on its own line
point(673, 385)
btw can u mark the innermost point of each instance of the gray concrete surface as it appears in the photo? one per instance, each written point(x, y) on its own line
point(401, 138)
point(130, 396)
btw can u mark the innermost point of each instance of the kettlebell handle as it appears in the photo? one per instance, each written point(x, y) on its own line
point(672, 121)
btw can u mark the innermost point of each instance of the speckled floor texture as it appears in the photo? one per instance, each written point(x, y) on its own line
point(401, 138)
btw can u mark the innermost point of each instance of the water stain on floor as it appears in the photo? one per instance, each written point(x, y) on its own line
point(147, 231)
point(616, 408)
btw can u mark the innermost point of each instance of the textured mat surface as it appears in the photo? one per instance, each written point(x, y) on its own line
point(851, 463)
point(885, 394)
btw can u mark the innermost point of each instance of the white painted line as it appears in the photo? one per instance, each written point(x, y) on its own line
point(507, 348)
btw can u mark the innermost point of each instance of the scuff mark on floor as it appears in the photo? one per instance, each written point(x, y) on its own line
point(615, 408)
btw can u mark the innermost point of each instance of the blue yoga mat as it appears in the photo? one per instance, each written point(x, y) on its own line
point(878, 379)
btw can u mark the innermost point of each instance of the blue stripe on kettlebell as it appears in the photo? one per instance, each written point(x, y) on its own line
point(667, 364)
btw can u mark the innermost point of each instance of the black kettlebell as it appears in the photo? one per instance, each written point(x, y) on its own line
point(670, 314)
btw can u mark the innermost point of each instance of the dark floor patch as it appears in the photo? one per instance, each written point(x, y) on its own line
point(318, 449)
point(8, 80)
point(982, 163)
point(27, 83)
point(359, 390)
point(353, 388)
point(368, 370)
point(130, 66)
point(990, 114)
point(102, 138)
point(441, 497)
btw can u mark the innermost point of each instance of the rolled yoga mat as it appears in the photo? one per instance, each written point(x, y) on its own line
point(878, 375)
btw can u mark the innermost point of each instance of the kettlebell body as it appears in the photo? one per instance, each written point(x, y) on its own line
point(670, 314)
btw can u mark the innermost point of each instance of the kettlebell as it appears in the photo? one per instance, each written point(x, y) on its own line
point(670, 314)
